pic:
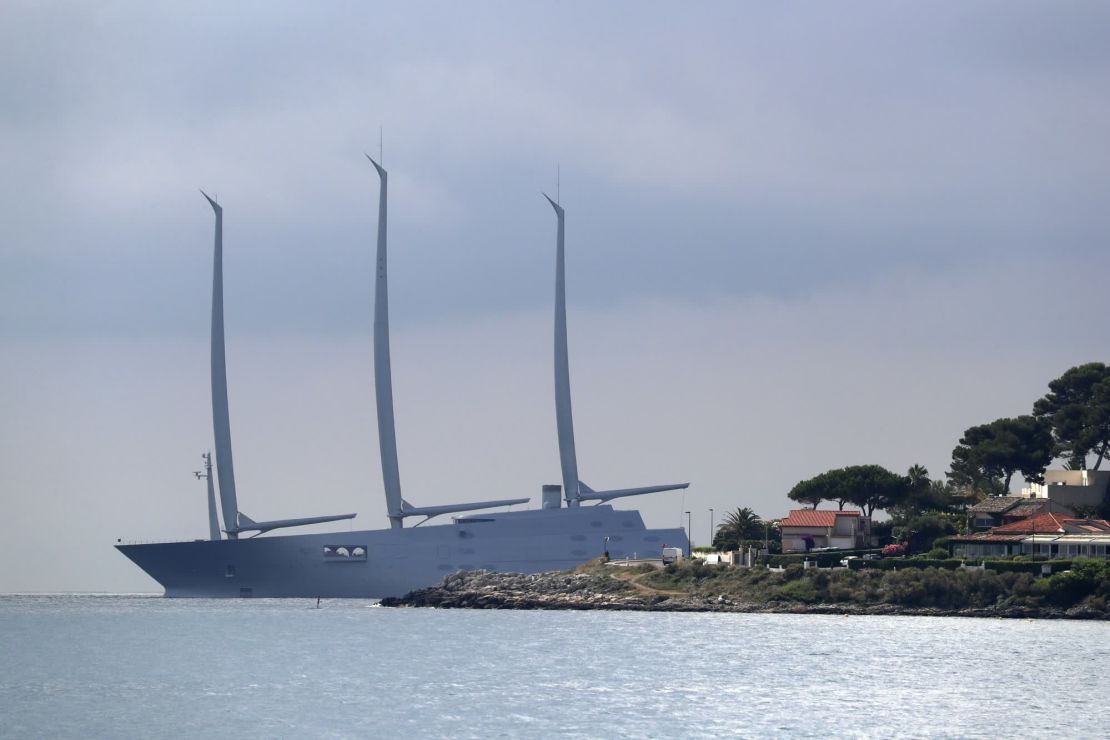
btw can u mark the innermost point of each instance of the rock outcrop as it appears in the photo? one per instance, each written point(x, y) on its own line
point(616, 592)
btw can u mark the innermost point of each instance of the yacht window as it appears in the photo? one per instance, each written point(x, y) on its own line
point(344, 553)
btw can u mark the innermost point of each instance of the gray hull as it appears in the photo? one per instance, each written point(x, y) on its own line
point(391, 562)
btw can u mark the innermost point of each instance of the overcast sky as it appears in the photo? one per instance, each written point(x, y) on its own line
point(799, 236)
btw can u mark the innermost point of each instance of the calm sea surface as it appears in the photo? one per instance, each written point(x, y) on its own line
point(132, 666)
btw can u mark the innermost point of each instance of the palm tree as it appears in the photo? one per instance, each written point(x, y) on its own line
point(744, 524)
point(919, 477)
point(1077, 461)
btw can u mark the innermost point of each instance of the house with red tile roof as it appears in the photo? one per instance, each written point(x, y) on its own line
point(806, 529)
point(997, 510)
point(1048, 535)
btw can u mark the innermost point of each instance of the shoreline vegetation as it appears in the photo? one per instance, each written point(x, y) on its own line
point(691, 586)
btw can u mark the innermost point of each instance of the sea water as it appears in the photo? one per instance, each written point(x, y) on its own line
point(135, 666)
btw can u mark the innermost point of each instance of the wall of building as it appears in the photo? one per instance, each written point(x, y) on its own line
point(1072, 487)
point(792, 538)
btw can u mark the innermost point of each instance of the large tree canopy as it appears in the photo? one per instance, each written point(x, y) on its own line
point(922, 495)
point(1078, 408)
point(988, 453)
point(869, 487)
point(809, 492)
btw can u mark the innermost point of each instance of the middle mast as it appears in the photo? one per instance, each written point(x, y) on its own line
point(383, 375)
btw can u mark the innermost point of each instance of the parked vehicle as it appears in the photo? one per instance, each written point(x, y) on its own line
point(671, 555)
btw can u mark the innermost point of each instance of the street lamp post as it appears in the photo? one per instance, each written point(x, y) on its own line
point(712, 532)
point(689, 538)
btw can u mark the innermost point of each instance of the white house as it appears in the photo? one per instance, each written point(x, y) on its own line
point(805, 529)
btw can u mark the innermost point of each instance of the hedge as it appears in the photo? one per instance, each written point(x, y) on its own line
point(999, 566)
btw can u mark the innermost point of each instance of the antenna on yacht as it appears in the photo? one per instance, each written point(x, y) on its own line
point(206, 475)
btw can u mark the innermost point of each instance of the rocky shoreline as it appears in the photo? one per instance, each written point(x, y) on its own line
point(606, 591)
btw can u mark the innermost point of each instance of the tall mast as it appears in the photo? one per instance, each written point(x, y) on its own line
point(575, 490)
point(383, 377)
point(221, 422)
point(563, 418)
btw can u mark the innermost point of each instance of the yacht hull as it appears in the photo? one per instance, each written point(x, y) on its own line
point(392, 562)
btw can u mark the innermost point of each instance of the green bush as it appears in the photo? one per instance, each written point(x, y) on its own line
point(903, 563)
point(1028, 566)
point(927, 528)
point(938, 553)
point(801, 590)
point(793, 571)
point(1072, 586)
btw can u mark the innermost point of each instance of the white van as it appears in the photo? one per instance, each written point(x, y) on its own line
point(671, 555)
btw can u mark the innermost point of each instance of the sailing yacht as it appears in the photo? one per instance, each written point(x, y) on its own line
point(573, 523)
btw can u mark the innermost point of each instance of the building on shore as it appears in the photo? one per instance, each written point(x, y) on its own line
point(1084, 488)
point(1045, 535)
point(999, 510)
point(806, 529)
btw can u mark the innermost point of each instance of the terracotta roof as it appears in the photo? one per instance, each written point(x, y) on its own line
point(1057, 524)
point(1086, 526)
point(815, 517)
point(1040, 524)
point(988, 537)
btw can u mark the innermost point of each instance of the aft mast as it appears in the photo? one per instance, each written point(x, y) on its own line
point(574, 489)
point(221, 422)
